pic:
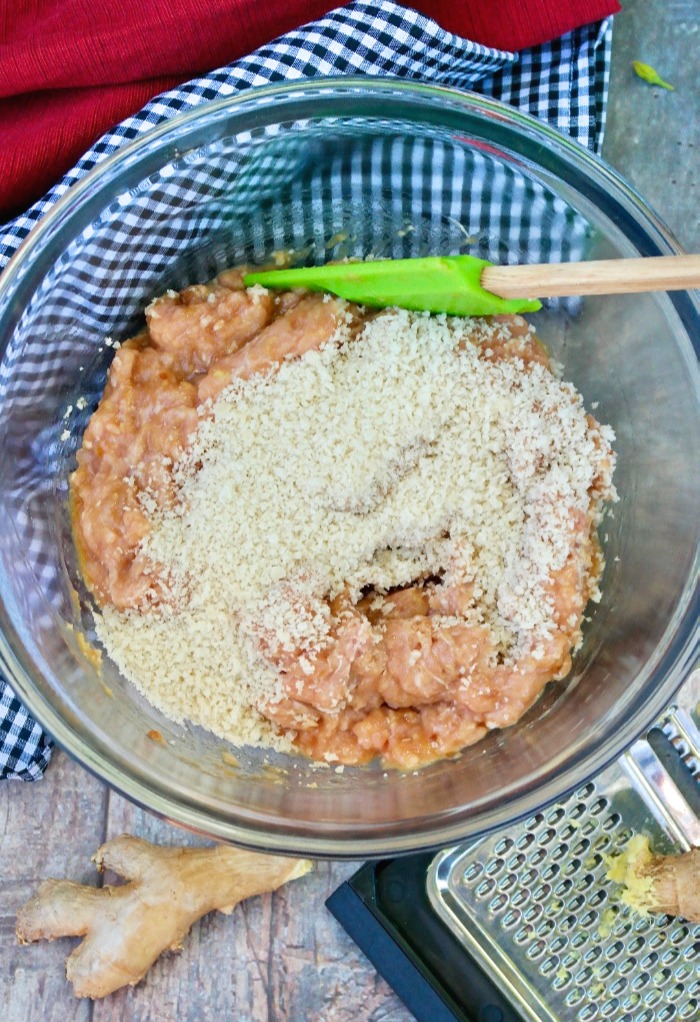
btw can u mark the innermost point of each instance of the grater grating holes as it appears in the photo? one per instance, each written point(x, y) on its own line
point(618, 987)
point(612, 821)
point(536, 950)
point(485, 888)
point(629, 965)
point(532, 913)
point(562, 979)
point(534, 822)
point(589, 920)
point(498, 903)
point(472, 873)
point(525, 841)
point(587, 1013)
point(504, 846)
point(574, 997)
point(640, 980)
point(522, 935)
point(576, 943)
point(508, 882)
point(528, 877)
point(584, 976)
point(681, 746)
point(494, 867)
point(572, 868)
point(511, 919)
point(568, 923)
point(549, 965)
point(598, 897)
point(678, 934)
point(609, 1008)
point(563, 887)
point(516, 861)
point(538, 857)
point(520, 898)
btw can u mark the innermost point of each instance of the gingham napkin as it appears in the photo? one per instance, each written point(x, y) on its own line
point(564, 82)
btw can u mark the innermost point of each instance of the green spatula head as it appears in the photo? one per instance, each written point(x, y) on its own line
point(450, 284)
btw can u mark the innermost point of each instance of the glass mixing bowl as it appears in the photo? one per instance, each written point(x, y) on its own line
point(332, 168)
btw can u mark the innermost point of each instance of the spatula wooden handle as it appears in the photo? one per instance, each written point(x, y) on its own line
point(602, 277)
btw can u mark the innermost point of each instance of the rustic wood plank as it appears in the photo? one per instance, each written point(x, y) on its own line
point(47, 828)
point(276, 957)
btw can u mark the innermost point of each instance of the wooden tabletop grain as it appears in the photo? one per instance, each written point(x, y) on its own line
point(283, 958)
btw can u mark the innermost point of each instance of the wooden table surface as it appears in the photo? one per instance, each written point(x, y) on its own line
point(283, 957)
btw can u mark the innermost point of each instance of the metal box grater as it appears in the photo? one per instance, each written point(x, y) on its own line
point(535, 909)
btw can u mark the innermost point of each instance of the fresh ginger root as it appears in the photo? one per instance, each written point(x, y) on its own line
point(668, 884)
point(127, 927)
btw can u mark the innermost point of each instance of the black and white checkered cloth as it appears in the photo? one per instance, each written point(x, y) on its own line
point(564, 82)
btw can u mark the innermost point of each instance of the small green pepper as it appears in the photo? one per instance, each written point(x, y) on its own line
point(647, 73)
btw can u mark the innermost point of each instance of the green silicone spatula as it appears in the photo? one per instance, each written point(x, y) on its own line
point(466, 286)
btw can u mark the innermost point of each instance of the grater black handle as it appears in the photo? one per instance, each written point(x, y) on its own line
point(385, 909)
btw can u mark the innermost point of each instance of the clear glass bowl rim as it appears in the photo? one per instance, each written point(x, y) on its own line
point(682, 647)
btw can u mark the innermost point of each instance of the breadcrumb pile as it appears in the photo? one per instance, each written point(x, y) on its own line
point(399, 453)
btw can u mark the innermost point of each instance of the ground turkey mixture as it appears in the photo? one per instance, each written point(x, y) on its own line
point(354, 534)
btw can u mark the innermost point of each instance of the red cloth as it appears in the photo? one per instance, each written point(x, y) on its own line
point(70, 69)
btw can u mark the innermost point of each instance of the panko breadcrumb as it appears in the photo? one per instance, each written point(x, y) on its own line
point(408, 450)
